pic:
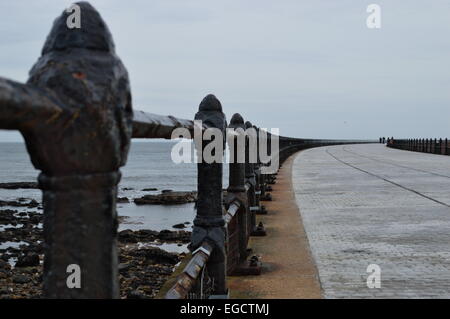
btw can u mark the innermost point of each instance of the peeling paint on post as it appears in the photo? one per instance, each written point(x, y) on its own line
point(209, 224)
point(76, 118)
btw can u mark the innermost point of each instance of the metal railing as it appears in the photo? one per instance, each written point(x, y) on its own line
point(75, 114)
point(424, 145)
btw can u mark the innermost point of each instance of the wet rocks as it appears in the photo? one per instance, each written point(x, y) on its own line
point(20, 185)
point(151, 189)
point(20, 203)
point(142, 269)
point(123, 267)
point(180, 226)
point(146, 235)
point(135, 294)
point(167, 198)
point(7, 216)
point(156, 255)
point(20, 279)
point(123, 200)
point(30, 259)
point(175, 236)
point(4, 266)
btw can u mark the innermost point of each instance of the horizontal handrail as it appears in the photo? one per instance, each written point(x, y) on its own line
point(187, 279)
point(150, 125)
point(424, 145)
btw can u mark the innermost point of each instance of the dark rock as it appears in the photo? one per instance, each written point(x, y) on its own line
point(167, 198)
point(149, 189)
point(28, 260)
point(23, 185)
point(123, 267)
point(4, 265)
point(135, 294)
point(156, 255)
point(20, 279)
point(146, 234)
point(32, 204)
point(7, 216)
point(127, 236)
point(179, 235)
point(36, 219)
point(179, 226)
point(15, 203)
point(123, 200)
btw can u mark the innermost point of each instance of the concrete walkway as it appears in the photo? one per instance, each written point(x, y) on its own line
point(368, 204)
point(288, 268)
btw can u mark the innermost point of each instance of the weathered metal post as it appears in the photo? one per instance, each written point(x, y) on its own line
point(75, 115)
point(265, 196)
point(258, 179)
point(209, 224)
point(250, 178)
point(236, 189)
point(270, 178)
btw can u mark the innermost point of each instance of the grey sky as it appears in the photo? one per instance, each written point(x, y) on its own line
point(311, 68)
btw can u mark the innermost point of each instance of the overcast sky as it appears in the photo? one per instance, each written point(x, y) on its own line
point(311, 68)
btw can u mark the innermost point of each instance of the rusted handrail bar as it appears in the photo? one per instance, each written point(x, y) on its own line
point(187, 279)
point(149, 125)
point(189, 276)
point(232, 210)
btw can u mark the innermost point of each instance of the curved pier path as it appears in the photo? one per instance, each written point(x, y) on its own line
point(288, 268)
point(369, 204)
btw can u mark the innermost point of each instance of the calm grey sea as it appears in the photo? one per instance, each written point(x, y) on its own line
point(149, 165)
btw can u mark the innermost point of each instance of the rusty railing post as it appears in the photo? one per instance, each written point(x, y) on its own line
point(265, 196)
point(75, 115)
point(236, 189)
point(250, 179)
point(209, 223)
point(258, 178)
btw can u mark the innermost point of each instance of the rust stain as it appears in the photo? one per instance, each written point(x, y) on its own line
point(79, 75)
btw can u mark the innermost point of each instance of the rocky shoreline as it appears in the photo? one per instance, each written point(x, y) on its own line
point(143, 266)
